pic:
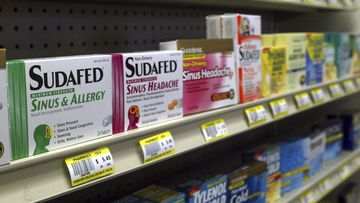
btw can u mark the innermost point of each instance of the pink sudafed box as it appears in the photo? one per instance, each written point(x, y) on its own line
point(209, 73)
point(147, 88)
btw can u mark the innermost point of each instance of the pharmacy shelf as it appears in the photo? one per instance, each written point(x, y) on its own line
point(294, 5)
point(286, 5)
point(332, 174)
point(44, 177)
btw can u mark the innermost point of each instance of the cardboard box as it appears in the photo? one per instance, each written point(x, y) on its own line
point(330, 70)
point(271, 155)
point(245, 30)
point(351, 126)
point(148, 88)
point(314, 58)
point(5, 150)
point(57, 102)
point(206, 189)
point(342, 52)
point(248, 183)
point(274, 71)
point(294, 164)
point(355, 53)
point(209, 73)
point(296, 58)
point(317, 151)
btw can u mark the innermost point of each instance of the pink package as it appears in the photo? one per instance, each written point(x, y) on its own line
point(209, 73)
point(147, 88)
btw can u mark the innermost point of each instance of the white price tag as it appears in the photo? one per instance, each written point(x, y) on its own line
point(157, 147)
point(279, 108)
point(214, 129)
point(89, 166)
point(336, 90)
point(318, 95)
point(256, 115)
point(303, 100)
point(349, 86)
point(333, 2)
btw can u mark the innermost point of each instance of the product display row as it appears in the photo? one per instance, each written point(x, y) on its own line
point(57, 102)
point(268, 172)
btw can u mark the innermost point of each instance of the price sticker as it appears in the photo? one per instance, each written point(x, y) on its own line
point(357, 80)
point(303, 101)
point(90, 166)
point(311, 2)
point(308, 197)
point(333, 3)
point(325, 185)
point(256, 115)
point(349, 86)
point(318, 95)
point(279, 108)
point(344, 172)
point(214, 129)
point(157, 146)
point(336, 90)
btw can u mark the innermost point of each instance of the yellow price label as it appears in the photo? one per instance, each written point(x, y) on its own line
point(90, 166)
point(311, 2)
point(349, 86)
point(336, 90)
point(157, 146)
point(308, 197)
point(303, 100)
point(279, 108)
point(318, 95)
point(256, 115)
point(214, 129)
point(357, 80)
point(325, 185)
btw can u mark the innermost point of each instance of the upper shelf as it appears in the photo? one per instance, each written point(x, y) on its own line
point(44, 176)
point(286, 5)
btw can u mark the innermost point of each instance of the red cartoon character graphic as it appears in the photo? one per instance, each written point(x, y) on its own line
point(134, 116)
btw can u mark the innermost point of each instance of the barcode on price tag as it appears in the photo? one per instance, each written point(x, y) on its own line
point(336, 90)
point(89, 166)
point(344, 172)
point(318, 96)
point(308, 197)
point(325, 185)
point(256, 115)
point(349, 86)
point(303, 100)
point(157, 147)
point(214, 129)
point(279, 108)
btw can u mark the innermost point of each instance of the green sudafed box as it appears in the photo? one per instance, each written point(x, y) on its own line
point(58, 102)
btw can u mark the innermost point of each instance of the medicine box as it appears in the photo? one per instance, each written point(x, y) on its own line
point(245, 30)
point(206, 189)
point(209, 73)
point(271, 155)
point(296, 58)
point(314, 58)
point(274, 71)
point(5, 150)
point(341, 40)
point(148, 88)
point(248, 183)
point(57, 102)
point(294, 163)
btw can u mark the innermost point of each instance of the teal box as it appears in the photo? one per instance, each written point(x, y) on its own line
point(206, 189)
point(294, 163)
point(341, 40)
